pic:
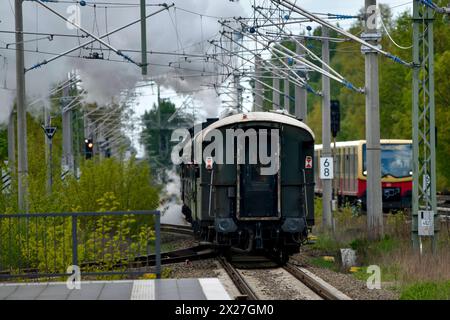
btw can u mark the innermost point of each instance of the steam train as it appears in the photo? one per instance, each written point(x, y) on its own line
point(351, 173)
point(245, 203)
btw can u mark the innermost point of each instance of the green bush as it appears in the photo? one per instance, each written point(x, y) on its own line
point(105, 185)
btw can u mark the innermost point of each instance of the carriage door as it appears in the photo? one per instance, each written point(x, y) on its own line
point(258, 193)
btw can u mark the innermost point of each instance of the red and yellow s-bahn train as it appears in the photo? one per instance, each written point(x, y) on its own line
point(350, 173)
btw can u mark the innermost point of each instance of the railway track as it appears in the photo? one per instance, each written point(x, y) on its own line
point(309, 281)
point(319, 286)
point(178, 229)
point(198, 252)
point(443, 202)
point(193, 253)
point(444, 213)
point(247, 292)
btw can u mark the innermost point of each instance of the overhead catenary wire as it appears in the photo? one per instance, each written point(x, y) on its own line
point(88, 33)
point(392, 40)
point(265, 61)
point(233, 59)
point(108, 60)
point(298, 43)
point(292, 55)
point(287, 74)
point(274, 89)
point(301, 11)
point(38, 65)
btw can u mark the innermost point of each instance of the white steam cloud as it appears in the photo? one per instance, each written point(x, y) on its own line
point(175, 30)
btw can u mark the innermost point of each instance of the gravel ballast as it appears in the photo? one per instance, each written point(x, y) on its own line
point(272, 283)
point(346, 282)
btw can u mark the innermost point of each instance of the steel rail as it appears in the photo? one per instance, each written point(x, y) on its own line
point(312, 283)
point(173, 228)
point(239, 281)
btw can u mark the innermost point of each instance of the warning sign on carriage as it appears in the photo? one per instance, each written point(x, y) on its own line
point(209, 163)
point(308, 162)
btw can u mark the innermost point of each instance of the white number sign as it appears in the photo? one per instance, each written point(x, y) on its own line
point(326, 168)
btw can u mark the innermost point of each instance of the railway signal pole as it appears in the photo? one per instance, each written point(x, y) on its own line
point(326, 132)
point(12, 142)
point(373, 148)
point(301, 98)
point(67, 160)
point(22, 163)
point(287, 97)
point(424, 207)
point(275, 92)
point(238, 88)
point(144, 37)
point(259, 92)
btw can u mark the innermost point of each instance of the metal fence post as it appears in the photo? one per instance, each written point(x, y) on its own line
point(74, 240)
point(158, 244)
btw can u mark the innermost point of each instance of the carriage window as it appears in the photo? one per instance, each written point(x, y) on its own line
point(396, 160)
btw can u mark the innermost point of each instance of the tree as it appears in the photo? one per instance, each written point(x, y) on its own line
point(159, 123)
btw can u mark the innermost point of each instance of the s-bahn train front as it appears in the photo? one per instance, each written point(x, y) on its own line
point(350, 181)
point(255, 192)
point(396, 174)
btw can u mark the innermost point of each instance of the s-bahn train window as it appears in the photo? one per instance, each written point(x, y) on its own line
point(396, 160)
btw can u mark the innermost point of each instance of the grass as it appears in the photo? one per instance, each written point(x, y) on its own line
point(361, 274)
point(414, 276)
point(326, 244)
point(165, 274)
point(426, 291)
point(321, 263)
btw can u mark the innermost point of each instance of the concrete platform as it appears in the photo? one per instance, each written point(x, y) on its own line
point(167, 289)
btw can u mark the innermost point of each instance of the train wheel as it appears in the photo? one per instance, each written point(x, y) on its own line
point(226, 252)
point(281, 257)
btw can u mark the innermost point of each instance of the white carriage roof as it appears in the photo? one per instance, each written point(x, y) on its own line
point(257, 116)
point(346, 144)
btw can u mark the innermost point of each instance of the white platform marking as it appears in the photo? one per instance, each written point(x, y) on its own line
point(143, 290)
point(213, 289)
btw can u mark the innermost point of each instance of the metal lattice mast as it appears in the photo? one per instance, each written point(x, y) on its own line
point(424, 137)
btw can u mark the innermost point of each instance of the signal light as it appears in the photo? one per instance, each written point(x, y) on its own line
point(88, 148)
point(335, 117)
